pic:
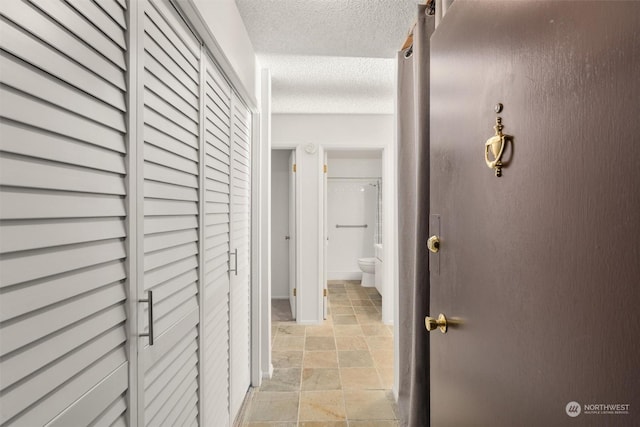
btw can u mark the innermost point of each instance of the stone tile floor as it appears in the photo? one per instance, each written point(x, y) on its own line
point(338, 374)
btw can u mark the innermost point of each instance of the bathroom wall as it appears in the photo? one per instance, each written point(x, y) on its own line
point(354, 168)
point(350, 202)
point(280, 223)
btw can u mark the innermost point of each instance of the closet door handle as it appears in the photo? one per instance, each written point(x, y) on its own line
point(149, 300)
point(235, 262)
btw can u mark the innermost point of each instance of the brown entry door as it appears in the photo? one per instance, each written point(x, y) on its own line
point(539, 270)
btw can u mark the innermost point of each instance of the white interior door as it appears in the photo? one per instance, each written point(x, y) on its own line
point(171, 94)
point(217, 161)
point(66, 193)
point(293, 240)
point(240, 291)
point(63, 213)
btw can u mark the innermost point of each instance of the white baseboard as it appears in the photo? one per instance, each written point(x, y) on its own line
point(344, 275)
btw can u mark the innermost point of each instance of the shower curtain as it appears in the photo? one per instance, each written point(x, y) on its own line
point(413, 224)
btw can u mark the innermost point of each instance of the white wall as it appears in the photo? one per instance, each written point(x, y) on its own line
point(280, 223)
point(333, 132)
point(350, 202)
point(355, 168)
point(345, 246)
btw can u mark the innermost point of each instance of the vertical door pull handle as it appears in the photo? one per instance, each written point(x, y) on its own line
point(235, 262)
point(149, 300)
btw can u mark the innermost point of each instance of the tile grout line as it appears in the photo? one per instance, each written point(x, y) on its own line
point(304, 350)
point(335, 342)
point(369, 329)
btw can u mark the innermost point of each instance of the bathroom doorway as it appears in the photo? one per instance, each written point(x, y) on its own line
point(352, 213)
point(283, 234)
point(353, 224)
point(353, 234)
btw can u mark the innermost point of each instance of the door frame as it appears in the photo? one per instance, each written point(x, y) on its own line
point(295, 240)
point(389, 178)
point(389, 202)
point(292, 207)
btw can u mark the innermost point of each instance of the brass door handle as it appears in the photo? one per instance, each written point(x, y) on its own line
point(441, 323)
point(433, 243)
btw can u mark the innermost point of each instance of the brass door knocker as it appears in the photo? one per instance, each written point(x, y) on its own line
point(495, 145)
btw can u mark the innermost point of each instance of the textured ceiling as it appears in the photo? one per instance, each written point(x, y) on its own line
point(330, 84)
point(329, 56)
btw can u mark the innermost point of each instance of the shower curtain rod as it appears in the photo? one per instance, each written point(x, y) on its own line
point(409, 40)
point(431, 5)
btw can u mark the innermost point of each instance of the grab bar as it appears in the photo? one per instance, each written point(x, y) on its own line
point(352, 226)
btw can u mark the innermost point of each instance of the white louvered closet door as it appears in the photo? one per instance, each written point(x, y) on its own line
point(217, 161)
point(63, 276)
point(240, 292)
point(171, 174)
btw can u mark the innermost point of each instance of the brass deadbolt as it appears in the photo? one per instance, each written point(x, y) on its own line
point(433, 243)
point(441, 323)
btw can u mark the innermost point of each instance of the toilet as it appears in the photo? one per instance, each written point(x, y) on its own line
point(368, 267)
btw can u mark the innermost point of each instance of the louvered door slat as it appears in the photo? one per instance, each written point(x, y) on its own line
point(169, 191)
point(171, 94)
point(47, 380)
point(40, 26)
point(160, 29)
point(50, 146)
point(74, 390)
point(24, 78)
point(216, 251)
point(111, 391)
point(62, 216)
point(28, 111)
point(171, 208)
point(41, 174)
point(31, 49)
point(162, 140)
point(158, 63)
point(40, 355)
point(17, 204)
point(164, 9)
point(46, 233)
point(84, 30)
point(114, 10)
point(157, 120)
point(34, 296)
point(163, 157)
point(102, 20)
point(167, 110)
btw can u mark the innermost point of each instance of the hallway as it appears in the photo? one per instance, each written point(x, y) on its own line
point(337, 374)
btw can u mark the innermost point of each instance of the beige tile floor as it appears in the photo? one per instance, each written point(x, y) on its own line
point(338, 374)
